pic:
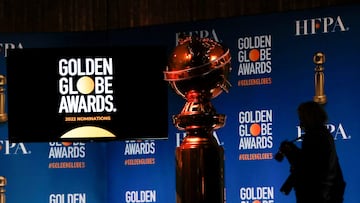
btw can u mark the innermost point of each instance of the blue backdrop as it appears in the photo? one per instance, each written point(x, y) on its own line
point(272, 72)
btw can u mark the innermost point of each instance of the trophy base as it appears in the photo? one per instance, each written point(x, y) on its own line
point(200, 171)
point(3, 118)
point(320, 99)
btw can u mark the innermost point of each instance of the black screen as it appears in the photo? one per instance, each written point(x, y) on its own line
point(56, 93)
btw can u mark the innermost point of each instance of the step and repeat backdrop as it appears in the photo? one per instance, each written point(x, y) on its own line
point(272, 72)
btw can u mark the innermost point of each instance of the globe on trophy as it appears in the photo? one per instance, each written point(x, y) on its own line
point(198, 70)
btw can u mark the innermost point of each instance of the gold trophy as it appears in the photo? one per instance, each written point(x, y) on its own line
point(3, 114)
point(197, 70)
point(319, 79)
point(2, 189)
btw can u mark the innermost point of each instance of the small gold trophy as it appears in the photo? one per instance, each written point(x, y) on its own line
point(3, 114)
point(2, 189)
point(319, 78)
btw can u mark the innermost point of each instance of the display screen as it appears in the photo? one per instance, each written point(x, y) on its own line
point(89, 93)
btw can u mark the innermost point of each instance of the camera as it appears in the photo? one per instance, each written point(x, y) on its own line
point(279, 156)
point(287, 149)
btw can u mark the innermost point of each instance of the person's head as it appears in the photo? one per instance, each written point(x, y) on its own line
point(311, 115)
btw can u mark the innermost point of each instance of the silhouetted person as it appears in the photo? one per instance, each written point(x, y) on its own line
point(316, 175)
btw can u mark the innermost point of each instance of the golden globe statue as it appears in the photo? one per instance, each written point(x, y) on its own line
point(198, 70)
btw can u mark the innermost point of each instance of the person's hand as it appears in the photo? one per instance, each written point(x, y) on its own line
point(286, 147)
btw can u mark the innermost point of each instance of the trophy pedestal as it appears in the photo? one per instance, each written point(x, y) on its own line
point(199, 170)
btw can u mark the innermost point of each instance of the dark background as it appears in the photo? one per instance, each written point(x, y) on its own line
point(99, 15)
point(44, 101)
